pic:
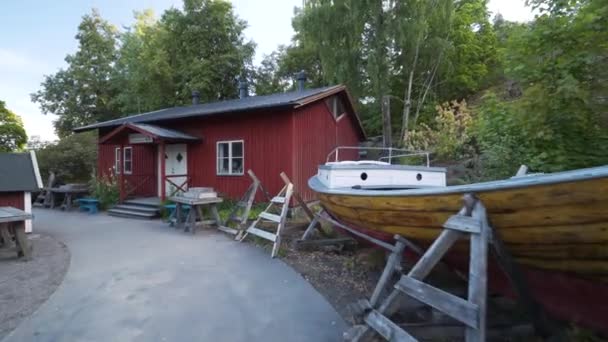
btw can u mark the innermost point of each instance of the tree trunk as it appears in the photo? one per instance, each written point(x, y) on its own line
point(407, 105)
point(386, 121)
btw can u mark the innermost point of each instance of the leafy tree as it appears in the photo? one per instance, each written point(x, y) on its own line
point(73, 158)
point(143, 71)
point(474, 49)
point(267, 77)
point(206, 49)
point(83, 92)
point(12, 133)
point(559, 122)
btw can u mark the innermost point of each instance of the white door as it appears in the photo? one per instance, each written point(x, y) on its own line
point(176, 167)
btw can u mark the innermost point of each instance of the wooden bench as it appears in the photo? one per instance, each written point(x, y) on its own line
point(12, 222)
point(88, 204)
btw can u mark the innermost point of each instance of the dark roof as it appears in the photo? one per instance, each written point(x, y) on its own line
point(274, 101)
point(19, 172)
point(162, 132)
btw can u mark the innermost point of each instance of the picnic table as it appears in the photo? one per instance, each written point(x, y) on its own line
point(69, 193)
point(197, 206)
point(12, 220)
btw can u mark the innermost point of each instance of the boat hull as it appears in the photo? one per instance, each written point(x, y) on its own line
point(557, 230)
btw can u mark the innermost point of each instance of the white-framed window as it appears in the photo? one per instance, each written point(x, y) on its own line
point(117, 160)
point(127, 160)
point(230, 157)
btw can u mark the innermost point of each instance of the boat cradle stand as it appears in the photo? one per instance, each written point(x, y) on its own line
point(372, 316)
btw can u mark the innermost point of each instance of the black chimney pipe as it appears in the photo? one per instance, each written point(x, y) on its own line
point(196, 97)
point(301, 80)
point(243, 87)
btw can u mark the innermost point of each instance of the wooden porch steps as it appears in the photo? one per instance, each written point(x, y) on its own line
point(136, 208)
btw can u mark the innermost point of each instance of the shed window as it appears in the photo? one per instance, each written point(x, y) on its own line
point(230, 157)
point(128, 160)
point(117, 160)
point(336, 106)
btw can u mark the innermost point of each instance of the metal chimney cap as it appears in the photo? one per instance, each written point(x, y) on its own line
point(301, 80)
point(243, 87)
point(301, 75)
point(196, 97)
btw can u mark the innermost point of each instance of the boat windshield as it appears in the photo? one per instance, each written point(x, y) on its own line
point(377, 155)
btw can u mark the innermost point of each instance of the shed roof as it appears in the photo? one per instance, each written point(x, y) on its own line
point(163, 132)
point(19, 172)
point(153, 131)
point(275, 101)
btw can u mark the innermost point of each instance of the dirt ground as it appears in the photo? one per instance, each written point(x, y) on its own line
point(345, 276)
point(24, 286)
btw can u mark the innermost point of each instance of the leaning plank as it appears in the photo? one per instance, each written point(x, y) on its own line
point(270, 217)
point(387, 329)
point(262, 233)
point(307, 244)
point(299, 199)
point(228, 230)
point(434, 254)
point(394, 261)
point(445, 302)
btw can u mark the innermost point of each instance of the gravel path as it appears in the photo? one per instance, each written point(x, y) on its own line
point(24, 286)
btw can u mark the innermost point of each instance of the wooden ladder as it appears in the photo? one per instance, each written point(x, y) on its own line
point(470, 221)
point(275, 213)
point(240, 213)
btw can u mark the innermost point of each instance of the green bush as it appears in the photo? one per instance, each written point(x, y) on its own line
point(106, 191)
point(450, 136)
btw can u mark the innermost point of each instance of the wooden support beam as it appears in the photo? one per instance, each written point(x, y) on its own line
point(478, 274)
point(122, 174)
point(394, 260)
point(161, 147)
point(445, 302)
point(387, 329)
point(298, 198)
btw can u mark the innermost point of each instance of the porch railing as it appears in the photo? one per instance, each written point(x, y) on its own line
point(178, 186)
point(138, 184)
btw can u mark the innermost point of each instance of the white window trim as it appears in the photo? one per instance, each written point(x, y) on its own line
point(217, 158)
point(124, 160)
point(117, 159)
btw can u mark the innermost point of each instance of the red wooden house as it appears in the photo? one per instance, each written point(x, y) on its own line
point(214, 144)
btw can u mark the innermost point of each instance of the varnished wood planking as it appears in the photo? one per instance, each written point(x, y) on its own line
point(560, 227)
point(595, 190)
point(575, 214)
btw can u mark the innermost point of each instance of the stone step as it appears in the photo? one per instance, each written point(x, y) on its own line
point(131, 213)
point(142, 203)
point(132, 207)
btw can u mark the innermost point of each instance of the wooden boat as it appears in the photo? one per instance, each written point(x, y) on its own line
point(555, 226)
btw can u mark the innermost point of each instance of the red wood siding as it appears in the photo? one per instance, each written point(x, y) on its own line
point(143, 178)
point(267, 140)
point(316, 133)
point(12, 199)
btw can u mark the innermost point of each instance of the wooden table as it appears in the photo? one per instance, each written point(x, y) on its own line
point(196, 211)
point(67, 198)
point(12, 220)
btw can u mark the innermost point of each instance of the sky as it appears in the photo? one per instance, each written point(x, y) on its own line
point(35, 37)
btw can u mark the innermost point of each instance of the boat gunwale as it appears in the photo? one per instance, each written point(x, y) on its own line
point(381, 167)
point(506, 184)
